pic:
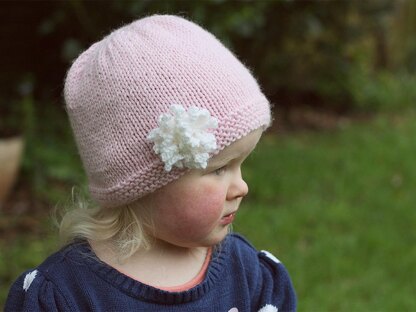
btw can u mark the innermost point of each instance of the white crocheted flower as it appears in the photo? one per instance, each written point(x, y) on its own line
point(182, 139)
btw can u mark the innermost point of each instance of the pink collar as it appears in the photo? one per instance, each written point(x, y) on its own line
point(193, 282)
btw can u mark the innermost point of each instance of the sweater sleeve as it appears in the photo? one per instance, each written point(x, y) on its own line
point(276, 292)
point(32, 291)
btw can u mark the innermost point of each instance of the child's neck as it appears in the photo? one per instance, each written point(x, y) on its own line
point(163, 265)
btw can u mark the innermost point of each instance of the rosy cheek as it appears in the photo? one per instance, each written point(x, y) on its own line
point(208, 204)
point(197, 210)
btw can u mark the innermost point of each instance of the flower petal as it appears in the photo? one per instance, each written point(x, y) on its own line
point(182, 139)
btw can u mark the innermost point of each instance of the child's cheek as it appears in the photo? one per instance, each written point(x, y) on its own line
point(209, 202)
point(201, 209)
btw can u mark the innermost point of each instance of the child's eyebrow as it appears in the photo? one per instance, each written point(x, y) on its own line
point(214, 162)
point(224, 159)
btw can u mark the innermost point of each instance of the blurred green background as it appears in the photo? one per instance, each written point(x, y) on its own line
point(331, 183)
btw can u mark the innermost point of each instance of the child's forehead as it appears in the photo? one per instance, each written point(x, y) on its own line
point(241, 147)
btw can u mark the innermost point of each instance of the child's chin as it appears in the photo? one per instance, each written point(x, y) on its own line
point(218, 237)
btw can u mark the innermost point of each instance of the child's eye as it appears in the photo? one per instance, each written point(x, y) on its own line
point(220, 171)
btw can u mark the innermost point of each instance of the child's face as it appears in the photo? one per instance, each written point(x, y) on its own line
point(195, 210)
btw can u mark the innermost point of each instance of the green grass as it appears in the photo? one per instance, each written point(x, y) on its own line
point(337, 208)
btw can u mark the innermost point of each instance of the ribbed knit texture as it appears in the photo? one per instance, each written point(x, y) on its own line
point(116, 90)
point(73, 279)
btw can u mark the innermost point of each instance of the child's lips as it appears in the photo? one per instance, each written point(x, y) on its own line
point(227, 219)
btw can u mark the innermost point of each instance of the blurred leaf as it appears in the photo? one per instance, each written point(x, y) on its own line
point(71, 49)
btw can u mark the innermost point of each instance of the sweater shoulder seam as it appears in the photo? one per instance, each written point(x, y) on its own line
point(44, 269)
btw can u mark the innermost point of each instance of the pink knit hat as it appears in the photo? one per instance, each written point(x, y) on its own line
point(116, 91)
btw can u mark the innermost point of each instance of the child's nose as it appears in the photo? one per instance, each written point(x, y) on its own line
point(238, 187)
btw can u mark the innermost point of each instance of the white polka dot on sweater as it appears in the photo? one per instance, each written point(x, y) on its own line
point(29, 279)
point(266, 308)
point(270, 256)
point(269, 308)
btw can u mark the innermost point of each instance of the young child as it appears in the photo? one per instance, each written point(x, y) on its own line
point(164, 116)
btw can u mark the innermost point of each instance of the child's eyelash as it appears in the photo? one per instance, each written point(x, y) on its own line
point(220, 170)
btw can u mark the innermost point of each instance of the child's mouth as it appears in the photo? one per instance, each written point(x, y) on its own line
point(227, 219)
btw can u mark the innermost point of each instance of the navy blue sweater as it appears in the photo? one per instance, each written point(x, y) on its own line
point(238, 278)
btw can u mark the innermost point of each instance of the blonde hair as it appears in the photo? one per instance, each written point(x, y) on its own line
point(125, 226)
